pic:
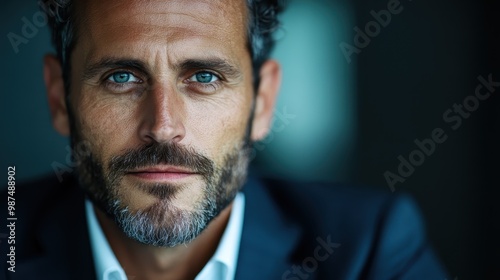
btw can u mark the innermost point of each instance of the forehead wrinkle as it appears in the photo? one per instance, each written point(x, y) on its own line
point(167, 13)
point(159, 35)
point(203, 12)
point(152, 22)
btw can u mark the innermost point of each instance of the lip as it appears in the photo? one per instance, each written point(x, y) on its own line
point(162, 173)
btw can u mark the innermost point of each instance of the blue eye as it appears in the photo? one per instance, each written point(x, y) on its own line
point(122, 77)
point(203, 77)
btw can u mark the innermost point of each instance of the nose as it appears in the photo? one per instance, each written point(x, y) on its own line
point(162, 115)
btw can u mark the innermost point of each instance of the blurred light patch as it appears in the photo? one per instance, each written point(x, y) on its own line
point(318, 142)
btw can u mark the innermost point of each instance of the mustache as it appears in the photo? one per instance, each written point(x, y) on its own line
point(170, 153)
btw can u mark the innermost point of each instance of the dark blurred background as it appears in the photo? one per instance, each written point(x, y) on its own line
point(338, 120)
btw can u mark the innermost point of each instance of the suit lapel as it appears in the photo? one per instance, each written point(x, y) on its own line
point(269, 239)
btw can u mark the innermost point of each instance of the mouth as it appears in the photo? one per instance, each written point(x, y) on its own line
point(162, 173)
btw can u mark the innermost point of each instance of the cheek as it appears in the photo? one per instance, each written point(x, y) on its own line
point(213, 126)
point(221, 127)
point(105, 124)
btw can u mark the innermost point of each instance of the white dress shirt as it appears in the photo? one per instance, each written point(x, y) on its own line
point(222, 265)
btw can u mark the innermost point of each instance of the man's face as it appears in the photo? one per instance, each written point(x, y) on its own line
point(162, 93)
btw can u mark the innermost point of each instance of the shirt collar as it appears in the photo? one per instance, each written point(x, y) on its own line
point(222, 265)
point(106, 265)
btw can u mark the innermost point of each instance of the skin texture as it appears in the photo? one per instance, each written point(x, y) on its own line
point(163, 43)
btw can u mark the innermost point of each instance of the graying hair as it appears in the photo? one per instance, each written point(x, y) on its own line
point(263, 21)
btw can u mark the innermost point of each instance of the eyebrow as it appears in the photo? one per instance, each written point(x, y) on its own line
point(216, 64)
point(109, 63)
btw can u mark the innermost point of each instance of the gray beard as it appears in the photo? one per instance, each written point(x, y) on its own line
point(163, 224)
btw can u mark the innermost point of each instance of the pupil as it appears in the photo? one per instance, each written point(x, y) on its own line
point(204, 77)
point(121, 77)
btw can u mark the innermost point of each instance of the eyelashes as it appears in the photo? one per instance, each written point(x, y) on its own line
point(125, 81)
point(122, 81)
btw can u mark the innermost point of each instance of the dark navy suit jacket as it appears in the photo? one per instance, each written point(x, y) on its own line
point(291, 231)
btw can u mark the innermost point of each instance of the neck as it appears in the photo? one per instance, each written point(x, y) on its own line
point(149, 262)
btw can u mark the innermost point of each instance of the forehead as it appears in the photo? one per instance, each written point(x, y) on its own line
point(196, 25)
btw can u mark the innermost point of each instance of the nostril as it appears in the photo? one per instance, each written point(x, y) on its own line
point(162, 127)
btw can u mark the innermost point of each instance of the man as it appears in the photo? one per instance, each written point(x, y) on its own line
point(162, 101)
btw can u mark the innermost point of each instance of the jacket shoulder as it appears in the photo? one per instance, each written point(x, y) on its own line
point(34, 197)
point(377, 235)
point(322, 205)
point(35, 200)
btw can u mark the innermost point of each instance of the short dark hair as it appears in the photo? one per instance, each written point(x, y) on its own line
point(263, 21)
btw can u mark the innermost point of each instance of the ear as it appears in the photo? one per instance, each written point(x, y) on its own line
point(54, 83)
point(270, 81)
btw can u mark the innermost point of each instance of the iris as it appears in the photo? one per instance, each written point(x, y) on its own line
point(121, 77)
point(204, 77)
